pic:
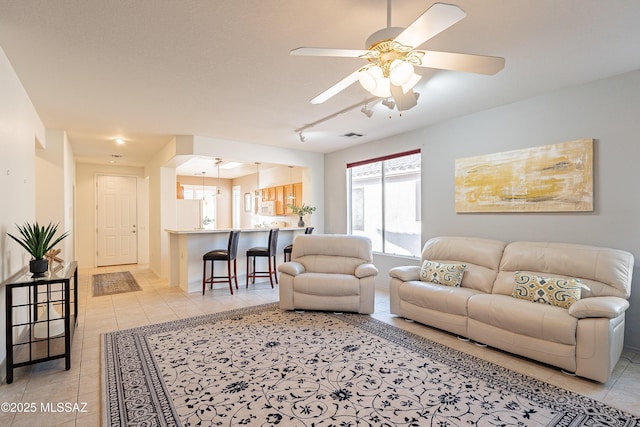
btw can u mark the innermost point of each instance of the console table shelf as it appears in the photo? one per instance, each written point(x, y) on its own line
point(41, 316)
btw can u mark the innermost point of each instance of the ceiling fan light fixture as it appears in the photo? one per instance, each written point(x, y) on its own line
point(383, 88)
point(400, 72)
point(369, 77)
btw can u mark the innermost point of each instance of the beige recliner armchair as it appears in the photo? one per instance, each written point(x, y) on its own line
point(331, 272)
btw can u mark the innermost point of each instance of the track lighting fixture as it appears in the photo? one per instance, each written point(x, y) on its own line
point(301, 136)
point(366, 111)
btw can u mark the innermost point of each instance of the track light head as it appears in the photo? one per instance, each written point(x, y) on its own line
point(366, 111)
point(388, 103)
point(301, 136)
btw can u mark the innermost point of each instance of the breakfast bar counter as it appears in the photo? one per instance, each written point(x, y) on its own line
point(186, 248)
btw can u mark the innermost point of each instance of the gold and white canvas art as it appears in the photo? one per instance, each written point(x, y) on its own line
point(550, 178)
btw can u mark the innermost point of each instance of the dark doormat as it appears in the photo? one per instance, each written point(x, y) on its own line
point(114, 283)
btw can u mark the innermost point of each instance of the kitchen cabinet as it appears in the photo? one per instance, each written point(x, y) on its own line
point(281, 200)
point(280, 195)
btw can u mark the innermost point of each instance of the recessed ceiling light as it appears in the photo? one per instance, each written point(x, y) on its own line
point(119, 141)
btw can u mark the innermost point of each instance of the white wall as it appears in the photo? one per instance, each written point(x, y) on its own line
point(20, 128)
point(607, 110)
point(55, 184)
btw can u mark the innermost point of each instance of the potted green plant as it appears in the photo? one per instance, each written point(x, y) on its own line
point(37, 240)
point(301, 211)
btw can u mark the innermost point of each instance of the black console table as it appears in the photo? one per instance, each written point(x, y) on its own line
point(41, 316)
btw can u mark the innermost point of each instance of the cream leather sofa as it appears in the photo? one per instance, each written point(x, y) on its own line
point(329, 272)
point(585, 339)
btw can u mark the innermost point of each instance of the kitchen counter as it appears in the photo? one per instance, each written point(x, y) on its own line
point(186, 248)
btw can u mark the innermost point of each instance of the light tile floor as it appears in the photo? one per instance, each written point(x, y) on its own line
point(80, 387)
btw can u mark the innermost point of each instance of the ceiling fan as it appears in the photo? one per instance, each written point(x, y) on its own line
point(392, 55)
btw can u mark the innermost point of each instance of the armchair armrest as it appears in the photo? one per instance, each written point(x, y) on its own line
point(366, 270)
point(609, 307)
point(406, 273)
point(291, 268)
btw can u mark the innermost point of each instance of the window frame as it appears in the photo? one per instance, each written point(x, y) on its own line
point(350, 201)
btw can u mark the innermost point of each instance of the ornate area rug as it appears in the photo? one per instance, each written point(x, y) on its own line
point(265, 367)
point(114, 283)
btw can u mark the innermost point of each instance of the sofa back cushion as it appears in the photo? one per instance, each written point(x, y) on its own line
point(331, 253)
point(604, 271)
point(481, 257)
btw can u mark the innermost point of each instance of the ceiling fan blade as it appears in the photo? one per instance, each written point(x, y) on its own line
point(436, 19)
point(480, 64)
point(404, 100)
point(321, 51)
point(333, 90)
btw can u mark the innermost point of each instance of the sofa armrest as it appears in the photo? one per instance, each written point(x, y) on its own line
point(365, 270)
point(291, 268)
point(609, 307)
point(406, 273)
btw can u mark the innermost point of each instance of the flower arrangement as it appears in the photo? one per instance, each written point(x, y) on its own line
point(302, 210)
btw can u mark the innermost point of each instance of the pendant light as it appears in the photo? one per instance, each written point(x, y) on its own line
point(203, 172)
point(218, 161)
point(291, 196)
point(258, 193)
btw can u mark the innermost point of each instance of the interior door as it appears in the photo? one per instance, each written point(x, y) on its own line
point(117, 238)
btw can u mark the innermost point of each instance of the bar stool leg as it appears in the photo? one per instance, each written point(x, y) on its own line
point(204, 275)
point(253, 273)
point(229, 273)
point(247, 276)
point(275, 270)
point(235, 272)
point(270, 272)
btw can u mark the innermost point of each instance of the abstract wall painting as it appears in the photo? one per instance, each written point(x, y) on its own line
point(550, 178)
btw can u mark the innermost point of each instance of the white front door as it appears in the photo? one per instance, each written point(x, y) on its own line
point(116, 220)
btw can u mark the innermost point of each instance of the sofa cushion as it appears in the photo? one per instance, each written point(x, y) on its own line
point(481, 257)
point(446, 299)
point(556, 291)
point(542, 321)
point(442, 273)
point(329, 285)
point(607, 272)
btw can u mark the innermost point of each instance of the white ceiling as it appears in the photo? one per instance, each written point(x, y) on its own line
point(148, 70)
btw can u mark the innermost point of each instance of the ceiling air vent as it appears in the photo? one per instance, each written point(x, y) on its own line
point(352, 135)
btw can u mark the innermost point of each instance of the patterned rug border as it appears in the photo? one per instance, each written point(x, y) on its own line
point(578, 409)
point(132, 284)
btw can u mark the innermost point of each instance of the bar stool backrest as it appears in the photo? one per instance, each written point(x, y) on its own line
point(273, 241)
point(232, 249)
point(308, 230)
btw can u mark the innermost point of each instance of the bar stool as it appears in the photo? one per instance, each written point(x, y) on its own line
point(289, 248)
point(229, 254)
point(270, 253)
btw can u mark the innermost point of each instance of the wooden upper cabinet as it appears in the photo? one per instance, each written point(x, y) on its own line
point(268, 194)
point(280, 194)
point(280, 200)
point(179, 191)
